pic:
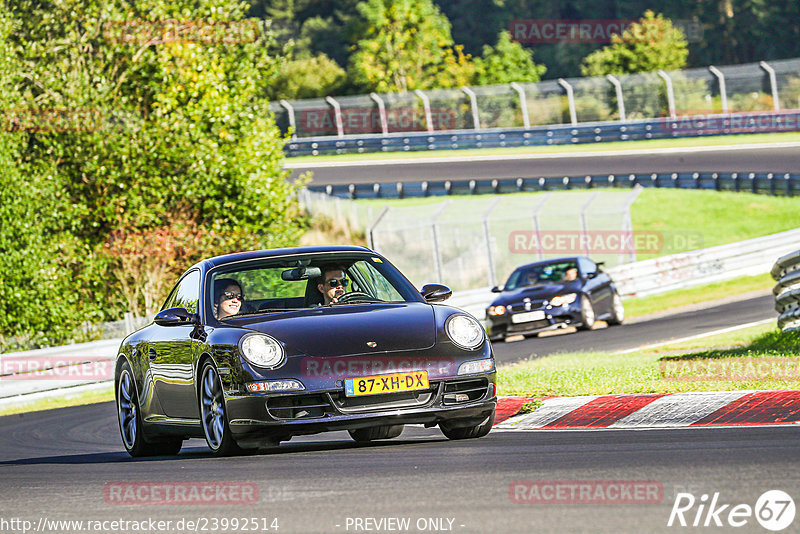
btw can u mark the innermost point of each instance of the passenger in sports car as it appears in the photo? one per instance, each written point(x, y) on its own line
point(228, 297)
point(333, 284)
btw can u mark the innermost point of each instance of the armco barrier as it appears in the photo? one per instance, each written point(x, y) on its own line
point(703, 266)
point(596, 132)
point(786, 184)
point(787, 291)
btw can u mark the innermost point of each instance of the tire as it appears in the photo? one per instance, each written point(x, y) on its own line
point(213, 416)
point(588, 316)
point(468, 432)
point(130, 421)
point(617, 310)
point(376, 432)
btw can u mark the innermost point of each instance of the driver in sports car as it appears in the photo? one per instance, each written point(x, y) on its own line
point(333, 285)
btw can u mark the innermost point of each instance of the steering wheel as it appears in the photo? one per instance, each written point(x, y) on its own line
point(356, 296)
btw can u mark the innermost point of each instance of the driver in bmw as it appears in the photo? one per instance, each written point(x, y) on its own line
point(333, 285)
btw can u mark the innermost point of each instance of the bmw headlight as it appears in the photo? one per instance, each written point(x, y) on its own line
point(261, 350)
point(563, 299)
point(464, 331)
point(496, 310)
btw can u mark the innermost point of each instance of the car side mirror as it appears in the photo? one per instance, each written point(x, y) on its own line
point(497, 289)
point(175, 317)
point(591, 275)
point(435, 292)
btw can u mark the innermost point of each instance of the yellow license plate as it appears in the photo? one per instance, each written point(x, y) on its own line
point(375, 385)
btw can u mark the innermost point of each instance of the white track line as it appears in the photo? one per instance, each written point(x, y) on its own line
point(513, 157)
point(698, 336)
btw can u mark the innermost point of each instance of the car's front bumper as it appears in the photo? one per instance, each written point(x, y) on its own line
point(500, 326)
point(278, 416)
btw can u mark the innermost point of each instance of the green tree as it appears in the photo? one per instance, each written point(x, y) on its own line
point(506, 62)
point(307, 78)
point(652, 43)
point(404, 45)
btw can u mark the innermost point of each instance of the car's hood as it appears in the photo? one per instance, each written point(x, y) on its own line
point(543, 292)
point(341, 330)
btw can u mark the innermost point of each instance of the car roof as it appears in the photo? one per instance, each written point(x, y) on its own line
point(551, 260)
point(274, 252)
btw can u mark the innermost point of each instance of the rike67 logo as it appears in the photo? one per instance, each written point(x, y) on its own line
point(774, 510)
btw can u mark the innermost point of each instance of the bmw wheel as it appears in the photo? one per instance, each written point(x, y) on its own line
point(130, 421)
point(587, 314)
point(617, 310)
point(212, 414)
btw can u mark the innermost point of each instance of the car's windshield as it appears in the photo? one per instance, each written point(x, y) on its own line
point(543, 274)
point(297, 282)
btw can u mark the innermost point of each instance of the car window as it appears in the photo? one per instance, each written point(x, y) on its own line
point(542, 274)
point(186, 293)
point(375, 284)
point(587, 266)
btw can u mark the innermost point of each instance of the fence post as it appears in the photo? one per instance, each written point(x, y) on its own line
point(618, 88)
point(523, 104)
point(426, 104)
point(670, 94)
point(473, 101)
point(290, 112)
point(373, 225)
point(536, 228)
point(381, 112)
point(337, 111)
point(722, 91)
point(573, 116)
point(773, 84)
point(627, 223)
point(584, 225)
point(488, 242)
point(437, 256)
point(129, 326)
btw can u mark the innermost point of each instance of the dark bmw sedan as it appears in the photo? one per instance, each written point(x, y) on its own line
point(553, 294)
point(253, 348)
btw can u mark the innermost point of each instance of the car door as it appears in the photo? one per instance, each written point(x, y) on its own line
point(171, 354)
point(597, 285)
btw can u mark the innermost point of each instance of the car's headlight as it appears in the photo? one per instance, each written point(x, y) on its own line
point(497, 310)
point(563, 299)
point(261, 350)
point(464, 331)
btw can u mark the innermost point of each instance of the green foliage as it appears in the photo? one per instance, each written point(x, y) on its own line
point(506, 62)
point(314, 77)
point(129, 134)
point(649, 45)
point(404, 45)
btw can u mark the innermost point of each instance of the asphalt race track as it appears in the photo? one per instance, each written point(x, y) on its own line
point(721, 159)
point(629, 336)
point(60, 464)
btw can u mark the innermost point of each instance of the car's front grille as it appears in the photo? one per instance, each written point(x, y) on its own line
point(534, 305)
point(464, 391)
point(403, 399)
point(299, 406)
point(524, 327)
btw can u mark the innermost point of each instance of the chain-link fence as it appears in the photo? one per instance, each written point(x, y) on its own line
point(468, 242)
point(750, 87)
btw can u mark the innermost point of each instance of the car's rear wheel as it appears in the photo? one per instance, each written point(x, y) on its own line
point(213, 417)
point(587, 314)
point(376, 432)
point(468, 432)
point(130, 421)
point(617, 310)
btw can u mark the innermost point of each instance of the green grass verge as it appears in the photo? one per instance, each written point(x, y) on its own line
point(759, 357)
point(717, 140)
point(640, 306)
point(105, 394)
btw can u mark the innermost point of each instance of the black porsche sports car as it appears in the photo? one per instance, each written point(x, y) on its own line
point(253, 348)
point(553, 294)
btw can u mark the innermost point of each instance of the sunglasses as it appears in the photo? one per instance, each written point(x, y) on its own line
point(229, 296)
point(333, 282)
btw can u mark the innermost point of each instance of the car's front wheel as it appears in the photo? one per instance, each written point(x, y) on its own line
point(212, 414)
point(617, 310)
point(587, 314)
point(468, 432)
point(130, 421)
point(376, 432)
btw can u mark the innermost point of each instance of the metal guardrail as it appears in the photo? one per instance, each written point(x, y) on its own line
point(786, 272)
point(703, 266)
point(596, 132)
point(785, 184)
